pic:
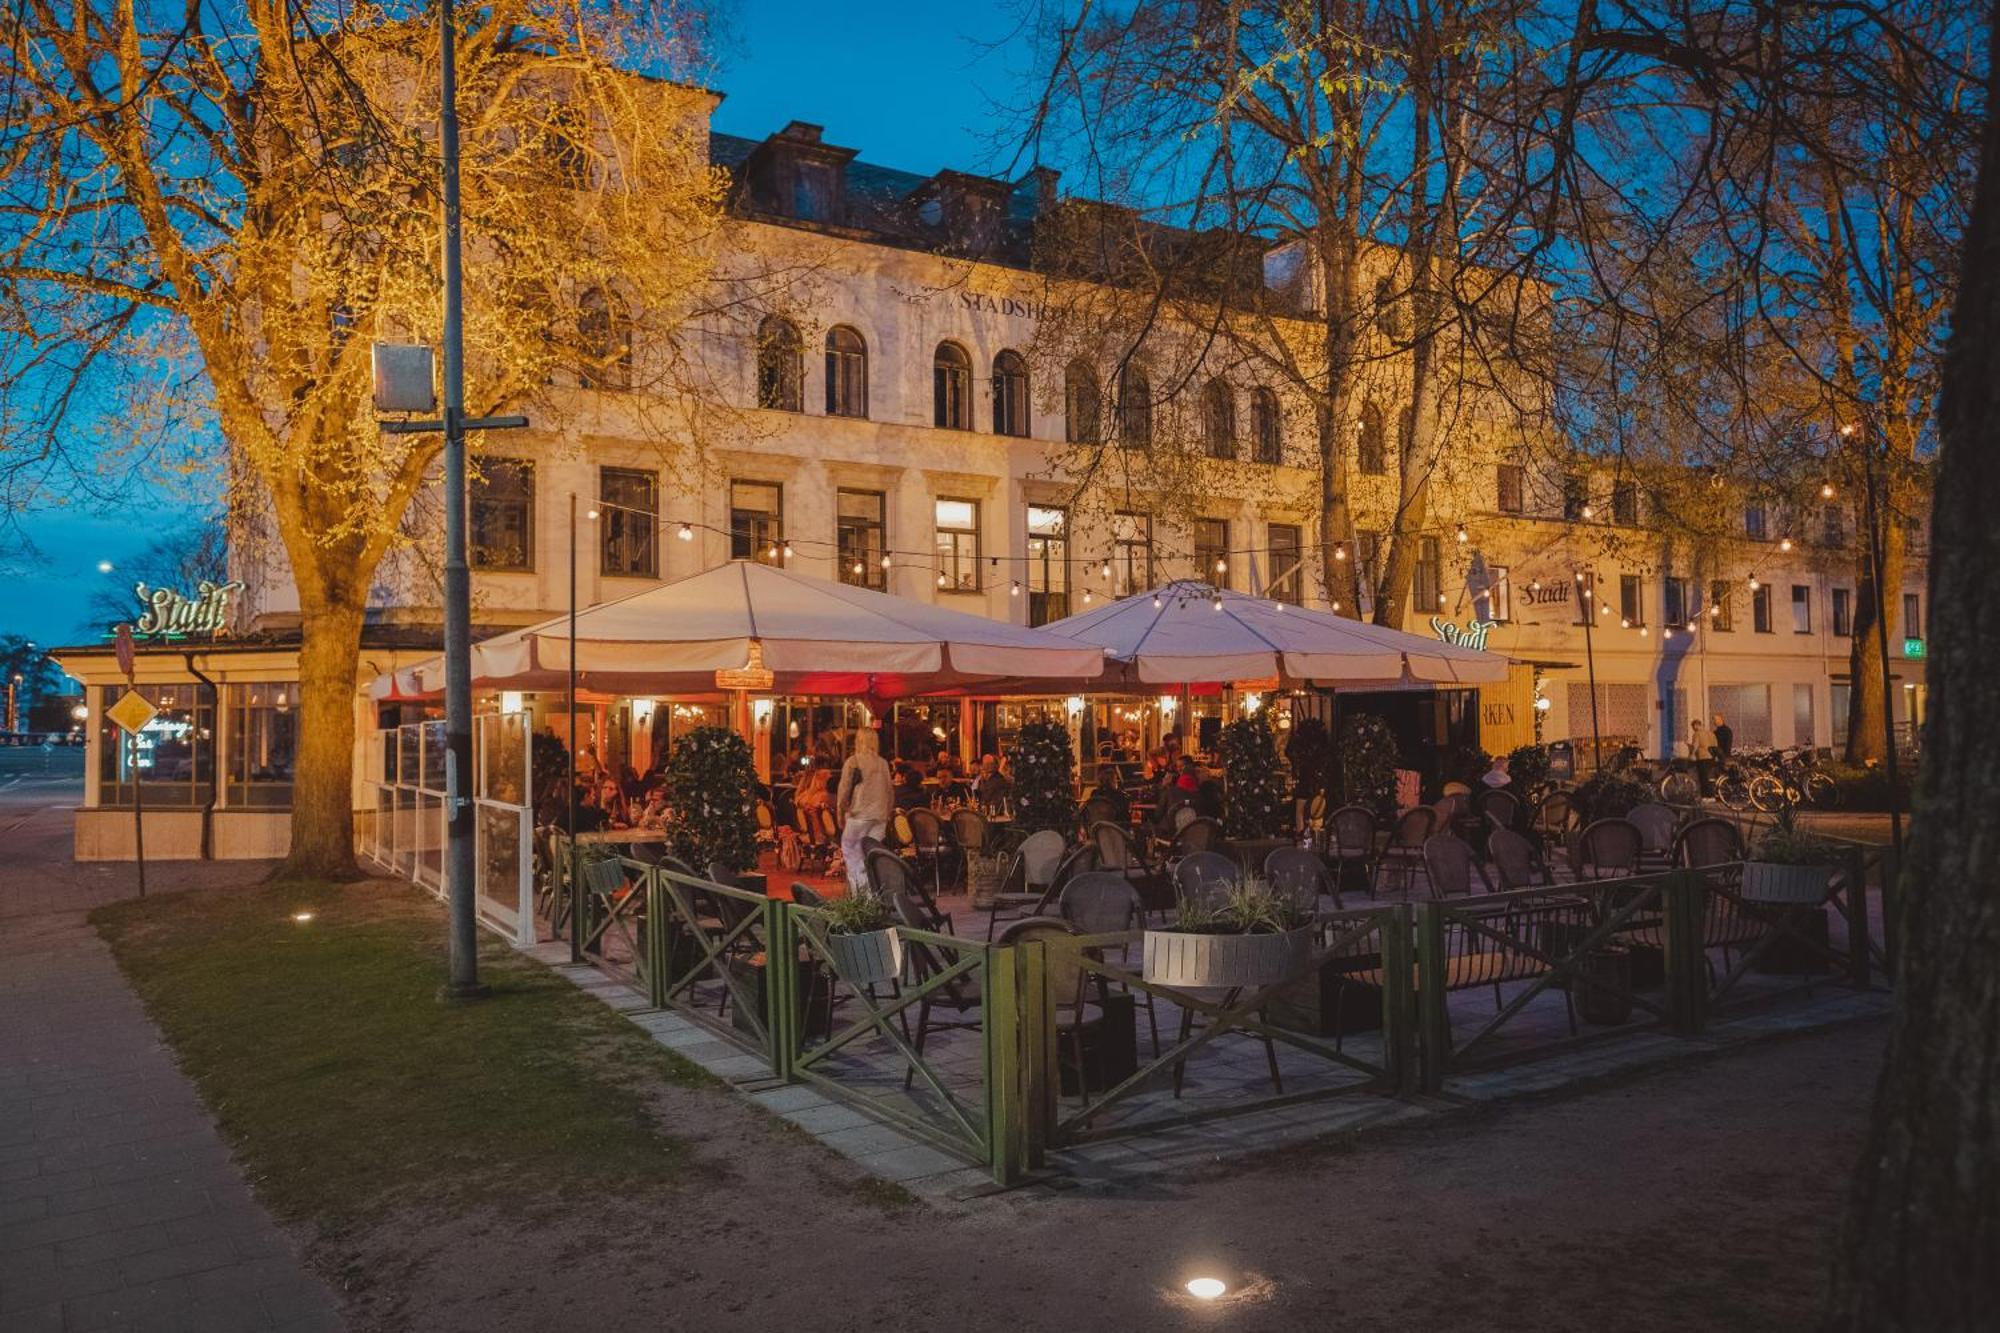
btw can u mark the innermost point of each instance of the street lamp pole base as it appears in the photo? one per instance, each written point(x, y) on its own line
point(452, 993)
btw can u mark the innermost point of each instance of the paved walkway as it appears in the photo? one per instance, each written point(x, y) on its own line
point(120, 1207)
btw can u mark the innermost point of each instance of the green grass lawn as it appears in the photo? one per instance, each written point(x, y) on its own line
point(347, 1088)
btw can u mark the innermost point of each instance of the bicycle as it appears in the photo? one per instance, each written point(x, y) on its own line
point(1794, 779)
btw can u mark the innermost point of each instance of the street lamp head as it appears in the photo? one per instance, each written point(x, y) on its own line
point(104, 566)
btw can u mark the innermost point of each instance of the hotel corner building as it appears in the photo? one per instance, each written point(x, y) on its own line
point(892, 423)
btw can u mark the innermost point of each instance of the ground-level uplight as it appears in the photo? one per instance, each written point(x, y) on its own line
point(302, 917)
point(1206, 1288)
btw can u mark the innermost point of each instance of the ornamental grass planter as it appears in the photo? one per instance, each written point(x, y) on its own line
point(868, 958)
point(1192, 961)
point(1768, 882)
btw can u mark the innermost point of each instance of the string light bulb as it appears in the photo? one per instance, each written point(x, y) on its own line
point(1218, 603)
point(1016, 591)
point(941, 578)
point(686, 533)
point(1753, 583)
point(1221, 566)
point(788, 550)
point(1086, 597)
point(1340, 550)
point(1106, 570)
point(1643, 632)
point(1336, 604)
point(1157, 603)
point(1826, 490)
point(885, 559)
point(1784, 543)
point(1588, 511)
point(1463, 536)
point(771, 551)
point(858, 567)
point(1624, 622)
point(1534, 585)
point(591, 513)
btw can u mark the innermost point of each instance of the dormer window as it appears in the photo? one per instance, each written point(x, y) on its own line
point(814, 191)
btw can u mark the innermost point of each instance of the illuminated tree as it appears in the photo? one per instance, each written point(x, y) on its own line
point(211, 213)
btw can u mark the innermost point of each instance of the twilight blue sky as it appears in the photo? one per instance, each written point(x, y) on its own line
point(908, 85)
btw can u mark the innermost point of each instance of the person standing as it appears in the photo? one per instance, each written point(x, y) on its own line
point(1725, 740)
point(866, 800)
point(1698, 751)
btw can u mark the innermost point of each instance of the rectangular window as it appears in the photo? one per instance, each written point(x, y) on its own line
point(1625, 504)
point(1753, 522)
point(1834, 523)
point(1632, 599)
point(1839, 698)
point(861, 535)
point(174, 755)
point(1760, 609)
point(1048, 564)
point(1427, 580)
point(1913, 620)
point(1512, 483)
point(1499, 597)
point(958, 545)
point(757, 521)
point(263, 738)
point(1131, 553)
point(1287, 571)
point(628, 522)
point(1211, 551)
point(1576, 495)
point(501, 515)
point(1674, 602)
point(1802, 714)
point(1718, 607)
point(1843, 613)
point(1801, 609)
point(1586, 598)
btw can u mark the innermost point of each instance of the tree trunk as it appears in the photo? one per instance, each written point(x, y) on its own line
point(1923, 1226)
point(323, 770)
point(1866, 698)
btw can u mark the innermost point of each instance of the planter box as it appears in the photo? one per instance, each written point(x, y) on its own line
point(1329, 1001)
point(867, 959)
point(1794, 957)
point(1608, 1002)
point(1224, 962)
point(1767, 883)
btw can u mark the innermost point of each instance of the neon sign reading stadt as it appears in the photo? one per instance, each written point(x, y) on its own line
point(169, 613)
point(1472, 634)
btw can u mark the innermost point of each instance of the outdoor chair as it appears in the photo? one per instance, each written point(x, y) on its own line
point(1449, 864)
point(1655, 823)
point(1708, 842)
point(1299, 874)
point(971, 832)
point(1405, 853)
point(961, 996)
point(805, 895)
point(1351, 844)
point(1102, 902)
point(889, 875)
point(1203, 875)
point(1516, 859)
point(1117, 851)
point(1099, 810)
point(928, 843)
point(1556, 818)
point(1197, 835)
point(1501, 807)
point(1073, 990)
point(1608, 849)
point(1029, 888)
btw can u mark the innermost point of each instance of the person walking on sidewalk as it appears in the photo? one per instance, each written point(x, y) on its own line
point(866, 801)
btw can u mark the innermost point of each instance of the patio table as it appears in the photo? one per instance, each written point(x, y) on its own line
point(623, 836)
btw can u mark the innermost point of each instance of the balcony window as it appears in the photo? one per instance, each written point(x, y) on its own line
point(958, 545)
point(757, 522)
point(628, 522)
point(1048, 564)
point(860, 536)
point(1286, 543)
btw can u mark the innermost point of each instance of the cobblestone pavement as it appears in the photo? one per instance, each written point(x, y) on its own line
point(120, 1207)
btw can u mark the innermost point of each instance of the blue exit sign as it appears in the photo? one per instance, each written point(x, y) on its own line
point(1913, 647)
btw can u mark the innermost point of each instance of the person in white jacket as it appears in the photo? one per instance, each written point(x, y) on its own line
point(866, 799)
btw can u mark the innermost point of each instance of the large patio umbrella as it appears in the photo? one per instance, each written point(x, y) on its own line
point(750, 626)
point(1193, 634)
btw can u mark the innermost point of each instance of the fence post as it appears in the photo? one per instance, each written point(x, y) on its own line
point(1038, 1072)
point(1855, 868)
point(1399, 1047)
point(784, 1015)
point(1683, 908)
point(1433, 1019)
point(656, 934)
point(1007, 1136)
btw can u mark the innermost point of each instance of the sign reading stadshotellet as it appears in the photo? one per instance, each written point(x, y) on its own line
point(1472, 634)
point(169, 613)
point(132, 712)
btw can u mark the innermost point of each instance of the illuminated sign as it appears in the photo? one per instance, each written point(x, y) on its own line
point(752, 675)
point(1472, 634)
point(1913, 648)
point(170, 614)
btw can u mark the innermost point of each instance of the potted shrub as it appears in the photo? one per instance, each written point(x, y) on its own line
point(1528, 766)
point(1365, 762)
point(1789, 865)
point(715, 800)
point(1254, 788)
point(1609, 795)
point(861, 939)
point(1044, 779)
point(1247, 937)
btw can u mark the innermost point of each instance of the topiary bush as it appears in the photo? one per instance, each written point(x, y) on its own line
point(1255, 799)
point(1043, 763)
point(1610, 795)
point(1528, 765)
point(1309, 751)
point(714, 784)
point(1365, 761)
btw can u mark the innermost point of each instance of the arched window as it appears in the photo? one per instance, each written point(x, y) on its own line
point(604, 342)
point(1083, 403)
point(780, 365)
point(951, 388)
point(1371, 454)
point(1135, 408)
point(1010, 395)
point(1267, 441)
point(1388, 308)
point(1218, 420)
point(846, 373)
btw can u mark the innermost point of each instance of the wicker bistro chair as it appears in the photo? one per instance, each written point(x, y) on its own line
point(1556, 818)
point(1200, 875)
point(971, 832)
point(961, 996)
point(1030, 887)
point(1350, 843)
point(889, 875)
point(1608, 849)
point(1099, 810)
point(1103, 902)
point(805, 895)
point(929, 846)
point(1405, 853)
point(1708, 842)
point(1711, 845)
point(1300, 874)
point(1117, 851)
point(1501, 807)
point(1655, 823)
point(1197, 835)
point(1450, 864)
point(1516, 859)
point(1074, 992)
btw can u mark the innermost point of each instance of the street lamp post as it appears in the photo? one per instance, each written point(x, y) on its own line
point(1586, 591)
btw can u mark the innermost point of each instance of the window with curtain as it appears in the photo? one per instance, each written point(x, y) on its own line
point(1218, 420)
point(628, 521)
point(951, 388)
point(1010, 395)
point(1632, 598)
point(757, 521)
point(1801, 609)
point(1372, 453)
point(500, 515)
point(861, 534)
point(1048, 564)
point(1135, 408)
point(1211, 548)
point(780, 365)
point(1674, 602)
point(1287, 572)
point(1760, 609)
point(1427, 580)
point(263, 739)
point(1267, 438)
point(1083, 403)
point(846, 373)
point(958, 545)
point(1718, 607)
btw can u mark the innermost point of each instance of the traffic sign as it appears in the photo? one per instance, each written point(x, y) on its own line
point(132, 712)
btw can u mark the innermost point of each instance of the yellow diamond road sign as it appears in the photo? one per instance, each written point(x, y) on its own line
point(133, 711)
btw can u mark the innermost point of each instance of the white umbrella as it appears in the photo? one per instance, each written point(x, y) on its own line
point(1190, 633)
point(766, 628)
